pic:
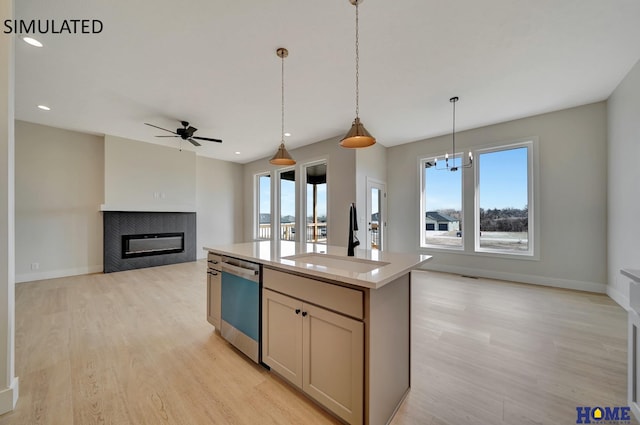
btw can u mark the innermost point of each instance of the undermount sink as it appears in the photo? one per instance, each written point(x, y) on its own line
point(350, 264)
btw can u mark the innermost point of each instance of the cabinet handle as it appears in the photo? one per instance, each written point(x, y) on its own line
point(297, 311)
point(304, 314)
point(213, 273)
point(213, 261)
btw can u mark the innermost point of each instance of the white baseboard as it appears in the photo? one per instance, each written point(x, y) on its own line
point(9, 397)
point(523, 278)
point(618, 297)
point(53, 274)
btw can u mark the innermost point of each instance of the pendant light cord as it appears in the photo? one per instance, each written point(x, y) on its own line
point(357, 66)
point(282, 108)
point(454, 132)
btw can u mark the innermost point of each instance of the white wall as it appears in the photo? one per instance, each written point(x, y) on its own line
point(623, 180)
point(146, 177)
point(341, 186)
point(59, 188)
point(572, 204)
point(8, 381)
point(219, 202)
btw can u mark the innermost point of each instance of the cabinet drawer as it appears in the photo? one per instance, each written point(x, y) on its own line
point(214, 261)
point(334, 297)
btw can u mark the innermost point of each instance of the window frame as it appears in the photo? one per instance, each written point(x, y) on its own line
point(470, 201)
point(423, 211)
point(303, 196)
point(531, 144)
point(256, 212)
point(278, 204)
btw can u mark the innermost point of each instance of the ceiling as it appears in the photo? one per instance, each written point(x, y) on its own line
point(214, 64)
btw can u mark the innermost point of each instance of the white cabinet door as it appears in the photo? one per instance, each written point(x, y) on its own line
point(282, 335)
point(333, 361)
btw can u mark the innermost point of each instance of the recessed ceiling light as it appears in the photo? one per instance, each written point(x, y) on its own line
point(287, 134)
point(44, 107)
point(237, 153)
point(32, 41)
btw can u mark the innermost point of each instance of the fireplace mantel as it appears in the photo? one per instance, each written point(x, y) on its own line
point(148, 208)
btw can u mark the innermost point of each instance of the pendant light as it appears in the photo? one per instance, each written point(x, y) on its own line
point(453, 167)
point(358, 136)
point(282, 157)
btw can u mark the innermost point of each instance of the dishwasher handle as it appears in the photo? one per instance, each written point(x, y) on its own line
point(250, 274)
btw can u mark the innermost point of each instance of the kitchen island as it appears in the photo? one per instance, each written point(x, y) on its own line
point(336, 327)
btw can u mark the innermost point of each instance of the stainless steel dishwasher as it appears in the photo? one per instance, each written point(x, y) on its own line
point(241, 282)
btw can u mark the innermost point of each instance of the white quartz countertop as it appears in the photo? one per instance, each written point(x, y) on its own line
point(371, 268)
point(632, 273)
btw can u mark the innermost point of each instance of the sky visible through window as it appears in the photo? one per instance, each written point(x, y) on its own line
point(505, 173)
point(322, 200)
point(506, 170)
point(288, 198)
point(265, 194)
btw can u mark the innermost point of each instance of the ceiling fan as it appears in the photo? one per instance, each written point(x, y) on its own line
point(186, 133)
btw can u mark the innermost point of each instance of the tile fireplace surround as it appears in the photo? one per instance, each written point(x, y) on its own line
point(122, 223)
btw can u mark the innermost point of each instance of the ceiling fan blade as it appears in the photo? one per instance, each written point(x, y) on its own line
point(207, 139)
point(193, 142)
point(168, 136)
point(151, 125)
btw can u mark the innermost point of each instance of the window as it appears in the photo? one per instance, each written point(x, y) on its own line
point(288, 205)
point(263, 221)
point(441, 212)
point(316, 208)
point(503, 199)
point(487, 209)
point(290, 210)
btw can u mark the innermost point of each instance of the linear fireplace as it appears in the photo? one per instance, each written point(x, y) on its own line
point(152, 244)
point(137, 239)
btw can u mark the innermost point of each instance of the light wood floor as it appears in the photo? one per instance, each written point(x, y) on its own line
point(135, 348)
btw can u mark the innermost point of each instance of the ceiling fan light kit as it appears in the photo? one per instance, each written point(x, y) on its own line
point(357, 136)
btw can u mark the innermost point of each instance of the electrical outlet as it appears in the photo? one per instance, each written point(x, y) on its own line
point(35, 266)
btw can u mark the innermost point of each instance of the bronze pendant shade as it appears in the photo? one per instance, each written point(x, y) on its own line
point(357, 137)
point(282, 157)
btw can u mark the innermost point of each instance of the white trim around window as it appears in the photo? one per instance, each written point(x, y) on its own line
point(533, 251)
point(470, 203)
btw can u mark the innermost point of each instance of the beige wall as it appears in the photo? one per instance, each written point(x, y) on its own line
point(142, 176)
point(219, 203)
point(341, 189)
point(61, 181)
point(623, 180)
point(572, 204)
point(59, 188)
